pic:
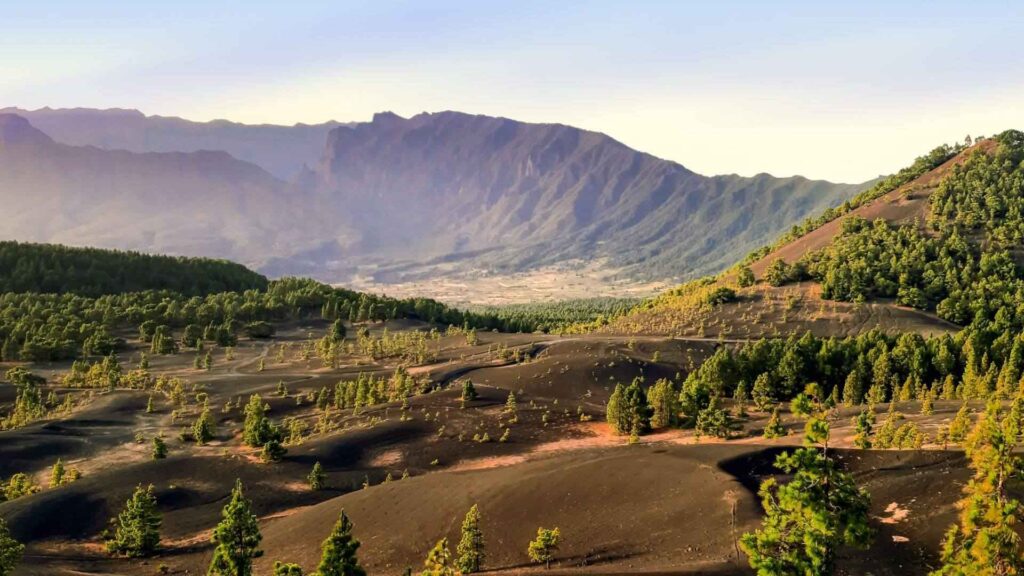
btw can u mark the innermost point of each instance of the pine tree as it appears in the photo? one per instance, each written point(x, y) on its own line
point(203, 430)
point(864, 424)
point(774, 428)
point(961, 425)
point(882, 375)
point(544, 546)
point(255, 426)
point(763, 392)
point(439, 561)
point(614, 412)
point(237, 538)
point(713, 421)
point(159, 448)
point(908, 390)
point(663, 401)
point(10, 550)
point(740, 397)
point(9, 350)
point(18, 485)
point(853, 392)
point(471, 547)
point(137, 527)
point(927, 405)
point(57, 474)
point(149, 405)
point(338, 330)
point(468, 392)
point(948, 388)
point(745, 277)
point(511, 407)
point(273, 451)
point(317, 478)
point(985, 542)
point(777, 272)
point(628, 411)
point(876, 394)
point(283, 569)
point(817, 511)
point(339, 551)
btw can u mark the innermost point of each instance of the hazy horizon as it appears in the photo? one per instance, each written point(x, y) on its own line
point(824, 91)
point(407, 116)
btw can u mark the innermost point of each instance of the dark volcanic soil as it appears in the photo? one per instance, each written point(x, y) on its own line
point(666, 505)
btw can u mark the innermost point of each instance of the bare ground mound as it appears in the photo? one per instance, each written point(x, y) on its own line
point(666, 509)
point(764, 311)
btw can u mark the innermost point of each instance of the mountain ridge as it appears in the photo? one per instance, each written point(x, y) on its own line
point(401, 198)
point(534, 183)
point(279, 149)
point(183, 203)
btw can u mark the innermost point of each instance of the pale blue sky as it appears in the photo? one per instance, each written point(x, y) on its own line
point(843, 92)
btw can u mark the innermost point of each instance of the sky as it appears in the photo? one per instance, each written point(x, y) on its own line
point(844, 91)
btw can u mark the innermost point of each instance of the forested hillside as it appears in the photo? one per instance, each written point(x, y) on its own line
point(962, 261)
point(59, 302)
point(53, 268)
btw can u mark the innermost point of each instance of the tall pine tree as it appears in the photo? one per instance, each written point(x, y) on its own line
point(137, 527)
point(339, 551)
point(237, 538)
point(819, 510)
point(984, 542)
point(10, 550)
point(439, 561)
point(543, 548)
point(471, 547)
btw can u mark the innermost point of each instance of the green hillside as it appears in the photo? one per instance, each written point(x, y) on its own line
point(54, 268)
point(962, 262)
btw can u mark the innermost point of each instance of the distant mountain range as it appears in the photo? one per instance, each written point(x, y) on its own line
point(281, 150)
point(394, 198)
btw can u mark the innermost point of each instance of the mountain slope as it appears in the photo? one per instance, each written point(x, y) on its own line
point(394, 198)
point(501, 194)
point(903, 205)
point(200, 203)
point(281, 150)
point(935, 253)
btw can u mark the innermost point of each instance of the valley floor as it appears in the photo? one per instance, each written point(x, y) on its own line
point(547, 284)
